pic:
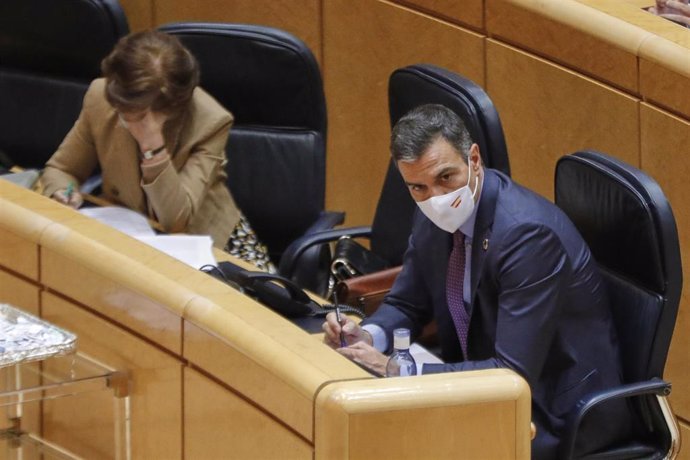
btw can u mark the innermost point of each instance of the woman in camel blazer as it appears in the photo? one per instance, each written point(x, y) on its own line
point(159, 141)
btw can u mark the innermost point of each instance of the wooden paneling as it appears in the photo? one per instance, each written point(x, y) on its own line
point(299, 17)
point(665, 73)
point(19, 254)
point(117, 283)
point(156, 390)
point(19, 293)
point(139, 14)
point(280, 364)
point(562, 30)
point(664, 156)
point(364, 41)
point(369, 419)
point(548, 111)
point(465, 12)
point(220, 424)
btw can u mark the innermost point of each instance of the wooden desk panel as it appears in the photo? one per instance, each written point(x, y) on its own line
point(406, 417)
point(114, 283)
point(156, 389)
point(665, 73)
point(468, 12)
point(562, 30)
point(19, 293)
point(548, 111)
point(219, 423)
point(19, 234)
point(278, 366)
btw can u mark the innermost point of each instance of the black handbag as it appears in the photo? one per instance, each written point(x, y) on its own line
point(352, 259)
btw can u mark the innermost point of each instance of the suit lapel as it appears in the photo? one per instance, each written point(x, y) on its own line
point(481, 241)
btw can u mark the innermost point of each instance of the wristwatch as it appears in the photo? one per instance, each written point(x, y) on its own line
point(148, 154)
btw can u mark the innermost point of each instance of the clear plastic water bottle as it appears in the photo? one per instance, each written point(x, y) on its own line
point(401, 362)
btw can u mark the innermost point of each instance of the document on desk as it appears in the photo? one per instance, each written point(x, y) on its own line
point(125, 220)
point(421, 355)
point(194, 250)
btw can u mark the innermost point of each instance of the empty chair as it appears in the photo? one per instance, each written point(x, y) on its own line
point(49, 53)
point(408, 88)
point(629, 226)
point(276, 152)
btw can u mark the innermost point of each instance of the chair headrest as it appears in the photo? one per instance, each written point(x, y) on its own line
point(60, 39)
point(264, 76)
point(420, 84)
point(625, 218)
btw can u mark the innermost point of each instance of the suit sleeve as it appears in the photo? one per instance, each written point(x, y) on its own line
point(408, 304)
point(531, 267)
point(175, 196)
point(75, 159)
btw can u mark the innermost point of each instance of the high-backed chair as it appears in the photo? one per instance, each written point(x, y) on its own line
point(276, 168)
point(408, 88)
point(49, 53)
point(625, 218)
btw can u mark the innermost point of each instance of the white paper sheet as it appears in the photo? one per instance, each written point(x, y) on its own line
point(194, 250)
point(125, 220)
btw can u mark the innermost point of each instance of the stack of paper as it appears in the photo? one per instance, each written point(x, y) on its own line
point(194, 250)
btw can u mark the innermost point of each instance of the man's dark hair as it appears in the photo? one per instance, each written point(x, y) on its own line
point(422, 126)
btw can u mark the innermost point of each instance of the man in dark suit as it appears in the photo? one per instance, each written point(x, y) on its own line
point(507, 277)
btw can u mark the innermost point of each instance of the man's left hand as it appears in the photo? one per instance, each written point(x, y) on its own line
point(364, 353)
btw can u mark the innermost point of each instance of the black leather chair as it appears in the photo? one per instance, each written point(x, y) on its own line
point(408, 88)
point(49, 53)
point(628, 223)
point(276, 167)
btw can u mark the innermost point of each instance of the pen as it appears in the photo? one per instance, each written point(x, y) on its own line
point(69, 191)
point(343, 343)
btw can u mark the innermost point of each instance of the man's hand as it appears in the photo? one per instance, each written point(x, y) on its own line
point(364, 353)
point(352, 333)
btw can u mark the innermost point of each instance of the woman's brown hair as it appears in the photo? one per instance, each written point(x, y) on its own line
point(149, 70)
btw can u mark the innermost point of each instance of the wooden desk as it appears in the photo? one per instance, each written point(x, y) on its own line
point(216, 375)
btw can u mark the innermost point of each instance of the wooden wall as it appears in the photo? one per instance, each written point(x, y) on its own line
point(564, 75)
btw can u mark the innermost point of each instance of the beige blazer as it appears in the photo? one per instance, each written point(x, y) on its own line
point(188, 196)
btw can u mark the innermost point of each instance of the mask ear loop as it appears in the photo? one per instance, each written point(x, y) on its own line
point(469, 177)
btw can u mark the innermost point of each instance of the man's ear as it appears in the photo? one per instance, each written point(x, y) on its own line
point(475, 158)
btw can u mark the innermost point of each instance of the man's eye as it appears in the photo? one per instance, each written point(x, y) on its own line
point(446, 177)
point(415, 188)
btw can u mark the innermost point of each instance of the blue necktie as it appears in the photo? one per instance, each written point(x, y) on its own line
point(454, 289)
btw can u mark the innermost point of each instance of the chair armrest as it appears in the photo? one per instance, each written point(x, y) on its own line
point(290, 258)
point(327, 221)
point(655, 386)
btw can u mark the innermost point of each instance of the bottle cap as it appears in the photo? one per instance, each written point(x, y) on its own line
point(401, 339)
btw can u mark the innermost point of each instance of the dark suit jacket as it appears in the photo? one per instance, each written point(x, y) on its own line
point(538, 306)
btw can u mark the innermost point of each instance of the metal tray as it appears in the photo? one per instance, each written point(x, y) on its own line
point(24, 337)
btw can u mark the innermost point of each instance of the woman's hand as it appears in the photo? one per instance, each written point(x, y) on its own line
point(70, 198)
point(146, 127)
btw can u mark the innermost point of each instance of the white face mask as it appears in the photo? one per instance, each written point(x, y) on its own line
point(451, 210)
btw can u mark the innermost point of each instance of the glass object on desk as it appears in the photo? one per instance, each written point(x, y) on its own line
point(24, 337)
point(401, 363)
point(41, 376)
